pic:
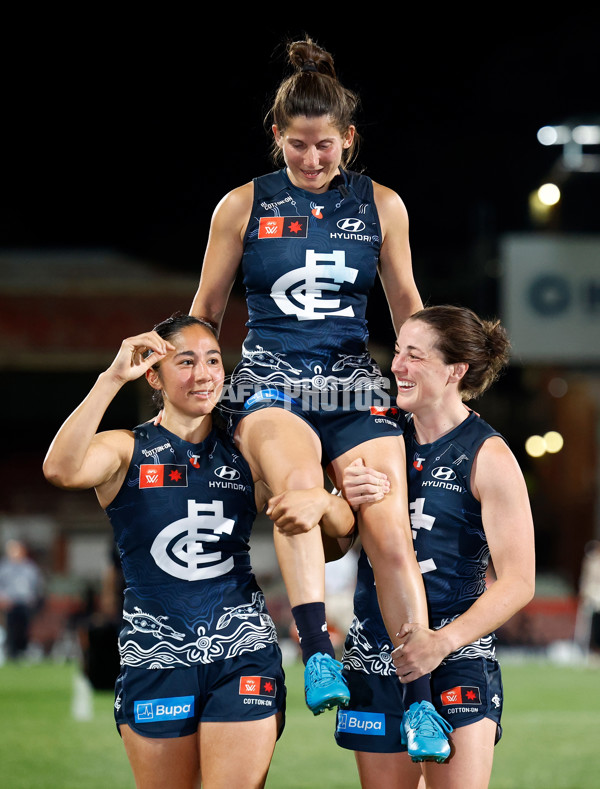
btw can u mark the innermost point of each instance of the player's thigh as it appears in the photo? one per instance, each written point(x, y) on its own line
point(386, 454)
point(388, 771)
point(160, 762)
point(237, 755)
point(385, 524)
point(282, 448)
point(469, 765)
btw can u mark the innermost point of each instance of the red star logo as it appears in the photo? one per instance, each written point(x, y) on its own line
point(295, 227)
point(471, 696)
point(175, 475)
point(268, 687)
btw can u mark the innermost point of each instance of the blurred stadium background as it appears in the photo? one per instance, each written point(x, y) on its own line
point(118, 148)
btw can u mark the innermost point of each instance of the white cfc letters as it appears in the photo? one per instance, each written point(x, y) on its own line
point(419, 520)
point(179, 549)
point(300, 292)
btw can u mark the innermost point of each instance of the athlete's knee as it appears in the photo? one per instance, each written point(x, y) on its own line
point(386, 540)
point(302, 476)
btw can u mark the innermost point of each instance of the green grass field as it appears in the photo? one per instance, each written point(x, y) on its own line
point(550, 741)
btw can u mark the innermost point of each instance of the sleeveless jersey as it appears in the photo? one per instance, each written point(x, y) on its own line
point(182, 521)
point(450, 544)
point(309, 263)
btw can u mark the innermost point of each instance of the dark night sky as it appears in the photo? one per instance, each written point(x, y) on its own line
point(127, 137)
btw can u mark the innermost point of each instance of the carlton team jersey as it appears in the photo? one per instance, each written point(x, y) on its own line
point(450, 545)
point(182, 521)
point(309, 263)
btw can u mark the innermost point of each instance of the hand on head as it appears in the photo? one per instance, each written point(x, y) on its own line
point(138, 354)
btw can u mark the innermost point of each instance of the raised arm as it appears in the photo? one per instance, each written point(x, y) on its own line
point(395, 261)
point(498, 483)
point(79, 457)
point(223, 255)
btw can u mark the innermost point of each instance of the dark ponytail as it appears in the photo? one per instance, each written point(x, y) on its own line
point(313, 90)
point(462, 336)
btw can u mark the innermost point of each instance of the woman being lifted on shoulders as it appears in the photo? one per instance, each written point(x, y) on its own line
point(311, 239)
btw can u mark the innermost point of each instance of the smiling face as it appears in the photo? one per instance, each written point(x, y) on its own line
point(190, 377)
point(312, 149)
point(423, 378)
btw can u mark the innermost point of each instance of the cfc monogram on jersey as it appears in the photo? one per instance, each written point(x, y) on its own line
point(308, 262)
point(450, 546)
point(182, 524)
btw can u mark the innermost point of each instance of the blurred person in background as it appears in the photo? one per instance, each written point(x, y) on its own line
point(587, 629)
point(21, 591)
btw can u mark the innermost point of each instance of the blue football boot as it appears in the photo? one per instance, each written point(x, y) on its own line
point(324, 685)
point(425, 732)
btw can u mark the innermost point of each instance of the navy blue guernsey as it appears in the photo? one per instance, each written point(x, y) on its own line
point(182, 521)
point(449, 539)
point(309, 263)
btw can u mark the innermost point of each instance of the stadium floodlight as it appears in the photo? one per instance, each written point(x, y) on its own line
point(582, 134)
point(554, 135)
point(573, 137)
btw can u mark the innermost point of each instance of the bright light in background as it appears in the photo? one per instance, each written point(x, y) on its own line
point(554, 135)
point(535, 446)
point(540, 210)
point(585, 134)
point(554, 441)
point(551, 442)
point(549, 194)
point(558, 387)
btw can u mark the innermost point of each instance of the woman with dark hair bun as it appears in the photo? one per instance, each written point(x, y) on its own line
point(201, 692)
point(311, 239)
point(469, 506)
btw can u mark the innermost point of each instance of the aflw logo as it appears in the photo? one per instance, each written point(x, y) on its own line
point(283, 227)
point(162, 475)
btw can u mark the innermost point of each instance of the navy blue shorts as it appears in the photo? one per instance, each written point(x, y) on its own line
point(463, 692)
point(172, 702)
point(342, 419)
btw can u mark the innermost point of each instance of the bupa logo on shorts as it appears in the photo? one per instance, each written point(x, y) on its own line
point(283, 227)
point(160, 475)
point(267, 396)
point(258, 686)
point(461, 694)
point(353, 722)
point(169, 709)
